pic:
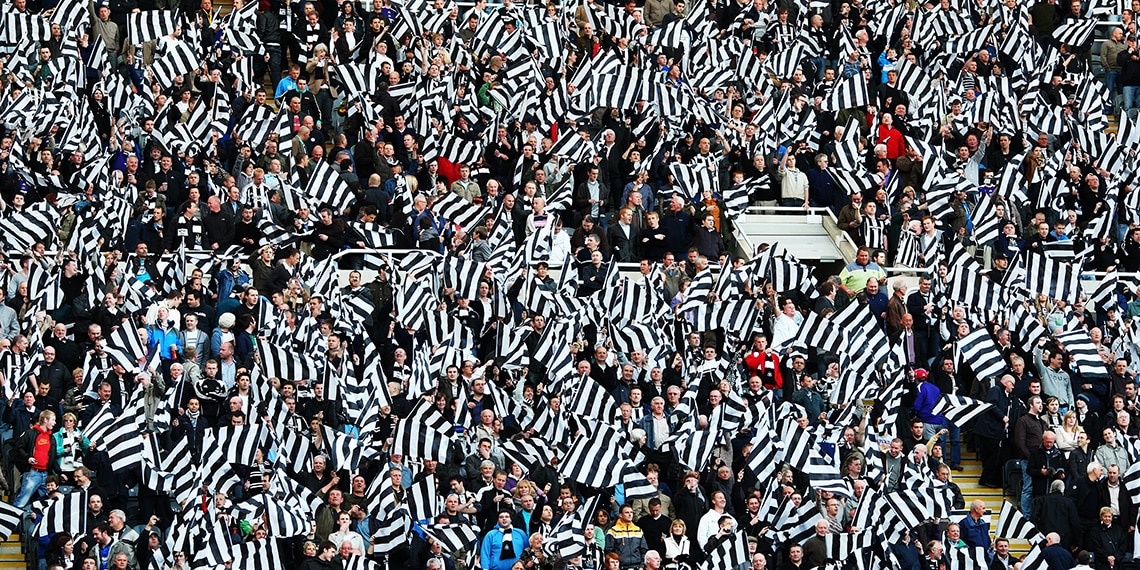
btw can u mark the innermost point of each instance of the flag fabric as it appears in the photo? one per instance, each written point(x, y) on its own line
point(1012, 524)
point(10, 518)
point(981, 352)
point(959, 410)
point(184, 88)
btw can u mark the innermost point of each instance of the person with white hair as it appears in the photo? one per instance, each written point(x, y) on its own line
point(652, 560)
point(117, 520)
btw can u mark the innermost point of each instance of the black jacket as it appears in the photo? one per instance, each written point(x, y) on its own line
point(1127, 508)
point(1052, 460)
point(1104, 541)
point(322, 249)
point(1086, 495)
point(1129, 68)
point(24, 449)
point(183, 230)
point(219, 228)
point(581, 203)
point(990, 423)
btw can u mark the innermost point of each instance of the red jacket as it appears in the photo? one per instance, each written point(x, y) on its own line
point(756, 363)
point(896, 144)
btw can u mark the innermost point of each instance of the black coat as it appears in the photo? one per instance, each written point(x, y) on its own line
point(581, 203)
point(1053, 461)
point(1086, 495)
point(219, 228)
point(591, 279)
point(1127, 508)
point(990, 423)
point(322, 249)
point(1057, 513)
point(1104, 541)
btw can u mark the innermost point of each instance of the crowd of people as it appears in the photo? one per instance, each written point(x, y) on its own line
point(331, 285)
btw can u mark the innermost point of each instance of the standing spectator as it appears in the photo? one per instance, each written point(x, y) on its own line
point(1129, 62)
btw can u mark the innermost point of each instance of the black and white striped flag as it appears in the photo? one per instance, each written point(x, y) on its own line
point(326, 187)
point(179, 59)
point(731, 553)
point(1012, 524)
point(150, 25)
point(959, 410)
point(694, 449)
point(422, 498)
point(979, 350)
point(799, 524)
point(1075, 33)
point(22, 230)
point(849, 93)
point(257, 555)
point(33, 27)
point(1054, 279)
point(454, 536)
point(65, 513)
point(588, 398)
point(820, 332)
point(343, 449)
point(10, 518)
point(1083, 353)
point(594, 460)
point(840, 546)
point(424, 434)
point(284, 364)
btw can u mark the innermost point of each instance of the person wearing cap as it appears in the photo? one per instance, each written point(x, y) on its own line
point(147, 544)
point(1001, 266)
point(927, 395)
point(222, 334)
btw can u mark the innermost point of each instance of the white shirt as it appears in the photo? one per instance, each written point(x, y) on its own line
point(783, 328)
point(709, 525)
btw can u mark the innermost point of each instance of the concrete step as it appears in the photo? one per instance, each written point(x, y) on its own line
point(967, 481)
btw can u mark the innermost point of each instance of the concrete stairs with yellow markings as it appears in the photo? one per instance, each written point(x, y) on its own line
point(967, 481)
point(12, 554)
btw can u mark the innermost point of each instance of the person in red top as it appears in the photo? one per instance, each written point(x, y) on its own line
point(759, 361)
point(890, 136)
point(34, 452)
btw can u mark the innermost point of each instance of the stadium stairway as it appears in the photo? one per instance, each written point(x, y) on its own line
point(967, 481)
point(12, 553)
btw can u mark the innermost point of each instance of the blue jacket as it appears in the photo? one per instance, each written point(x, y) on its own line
point(490, 554)
point(1008, 246)
point(166, 341)
point(975, 534)
point(1058, 558)
point(228, 280)
point(820, 187)
point(928, 395)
